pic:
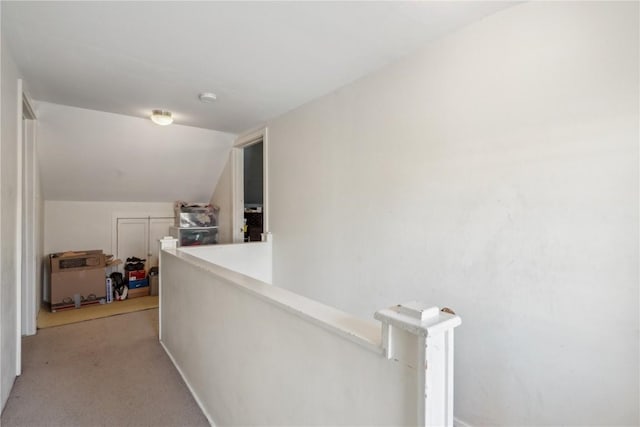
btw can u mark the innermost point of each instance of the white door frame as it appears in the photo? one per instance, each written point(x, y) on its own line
point(25, 284)
point(28, 255)
point(237, 173)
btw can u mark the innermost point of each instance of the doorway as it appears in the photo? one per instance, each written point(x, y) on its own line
point(250, 190)
point(253, 191)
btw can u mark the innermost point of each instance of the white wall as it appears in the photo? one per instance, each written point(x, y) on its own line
point(8, 198)
point(88, 225)
point(257, 354)
point(88, 155)
point(223, 197)
point(253, 260)
point(495, 172)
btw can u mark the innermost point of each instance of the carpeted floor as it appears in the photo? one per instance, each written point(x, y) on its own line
point(47, 319)
point(104, 372)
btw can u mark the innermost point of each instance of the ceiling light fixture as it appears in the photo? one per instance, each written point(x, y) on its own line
point(207, 97)
point(161, 117)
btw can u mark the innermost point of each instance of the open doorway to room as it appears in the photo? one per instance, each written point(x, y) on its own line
point(253, 191)
point(250, 189)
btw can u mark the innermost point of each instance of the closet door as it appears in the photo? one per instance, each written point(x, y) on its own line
point(132, 238)
point(138, 237)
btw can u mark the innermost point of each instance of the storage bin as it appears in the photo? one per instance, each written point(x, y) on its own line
point(194, 215)
point(189, 236)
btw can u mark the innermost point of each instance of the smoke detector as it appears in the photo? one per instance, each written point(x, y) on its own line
point(207, 97)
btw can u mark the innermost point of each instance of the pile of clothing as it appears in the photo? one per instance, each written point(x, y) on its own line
point(120, 281)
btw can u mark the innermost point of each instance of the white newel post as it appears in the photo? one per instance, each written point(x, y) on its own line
point(166, 242)
point(422, 337)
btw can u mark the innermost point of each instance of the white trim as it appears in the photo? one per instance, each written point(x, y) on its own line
point(249, 138)
point(237, 195)
point(27, 103)
point(265, 181)
point(186, 381)
point(237, 180)
point(29, 303)
point(29, 242)
point(18, 231)
point(3, 399)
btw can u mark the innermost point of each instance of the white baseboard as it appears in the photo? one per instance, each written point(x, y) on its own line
point(457, 422)
point(186, 381)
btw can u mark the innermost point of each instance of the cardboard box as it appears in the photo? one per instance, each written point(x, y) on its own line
point(74, 261)
point(62, 307)
point(89, 283)
point(135, 284)
point(73, 273)
point(139, 292)
point(137, 275)
point(154, 284)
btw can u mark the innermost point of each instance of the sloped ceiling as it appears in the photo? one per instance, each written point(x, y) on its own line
point(88, 155)
point(123, 59)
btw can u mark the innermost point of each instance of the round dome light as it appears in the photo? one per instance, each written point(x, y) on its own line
point(161, 117)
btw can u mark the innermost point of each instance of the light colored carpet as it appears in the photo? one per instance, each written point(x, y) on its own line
point(104, 372)
point(47, 319)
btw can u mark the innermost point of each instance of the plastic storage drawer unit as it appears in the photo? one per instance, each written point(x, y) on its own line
point(192, 236)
